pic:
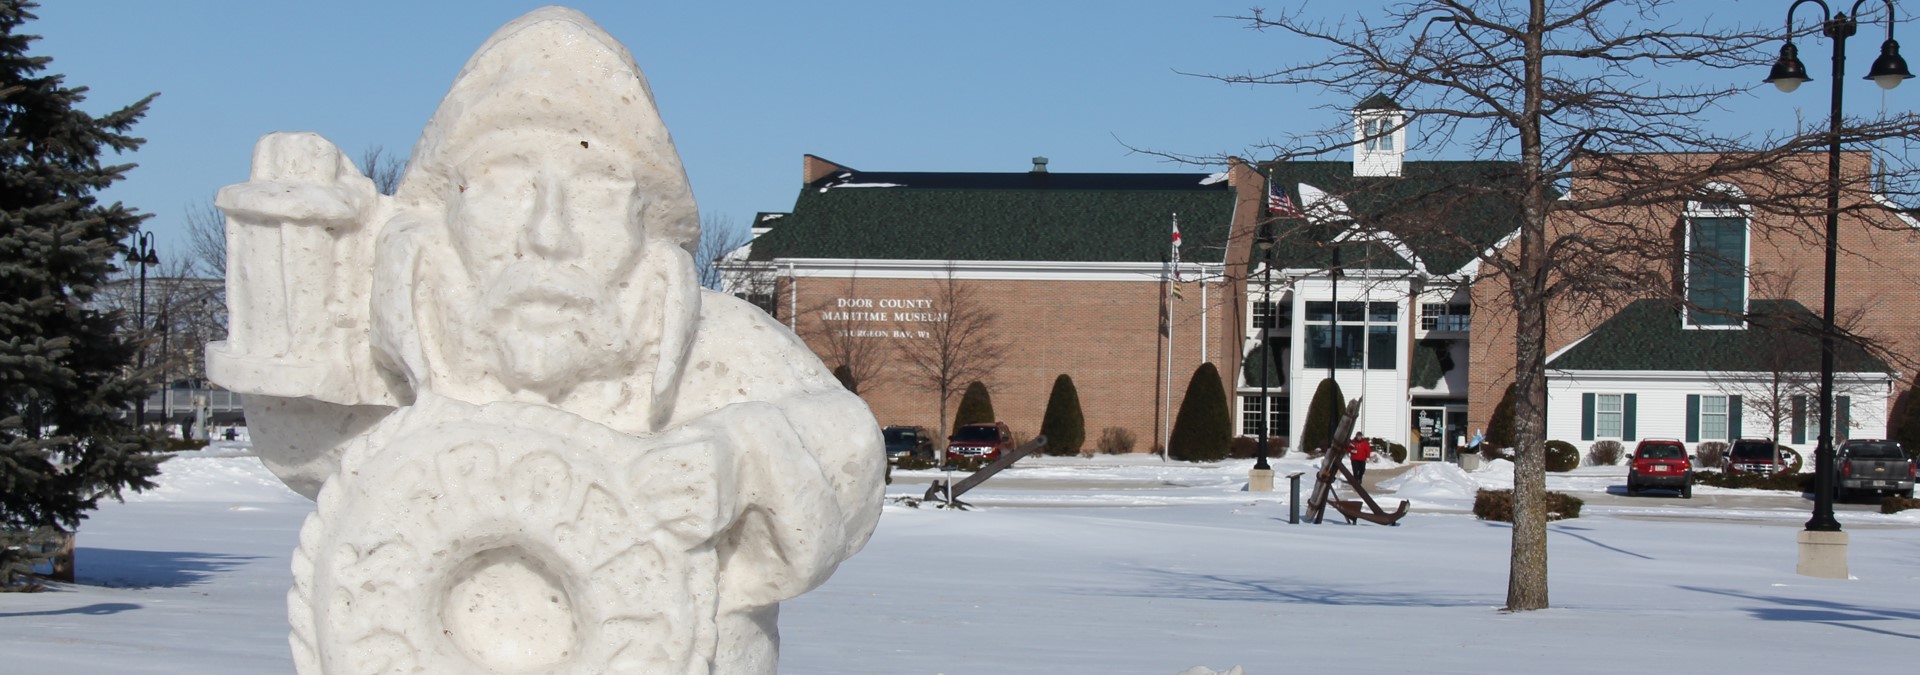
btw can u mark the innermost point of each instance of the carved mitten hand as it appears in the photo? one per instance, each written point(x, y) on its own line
point(298, 251)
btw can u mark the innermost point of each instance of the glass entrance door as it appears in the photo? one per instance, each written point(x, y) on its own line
point(1433, 442)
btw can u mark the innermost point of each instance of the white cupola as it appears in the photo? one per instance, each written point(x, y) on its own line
point(1379, 137)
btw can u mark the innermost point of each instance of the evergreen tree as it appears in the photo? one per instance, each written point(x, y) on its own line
point(976, 406)
point(1319, 426)
point(1063, 425)
point(1202, 432)
point(1500, 427)
point(67, 380)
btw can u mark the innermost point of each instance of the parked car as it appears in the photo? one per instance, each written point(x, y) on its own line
point(1755, 455)
point(908, 441)
point(1873, 466)
point(987, 441)
point(1660, 463)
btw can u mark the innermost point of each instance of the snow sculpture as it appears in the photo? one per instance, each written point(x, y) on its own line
point(536, 445)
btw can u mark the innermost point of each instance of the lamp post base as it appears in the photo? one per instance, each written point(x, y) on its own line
point(1823, 554)
point(1260, 480)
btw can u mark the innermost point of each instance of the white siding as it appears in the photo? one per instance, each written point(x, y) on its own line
point(1661, 410)
point(1384, 412)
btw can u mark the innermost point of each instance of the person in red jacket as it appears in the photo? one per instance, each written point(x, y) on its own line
point(1361, 451)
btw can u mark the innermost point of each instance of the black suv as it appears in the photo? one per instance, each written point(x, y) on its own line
point(905, 441)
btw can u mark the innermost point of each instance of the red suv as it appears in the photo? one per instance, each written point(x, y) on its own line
point(1660, 463)
point(986, 441)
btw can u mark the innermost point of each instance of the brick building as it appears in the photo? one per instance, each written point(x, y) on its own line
point(1072, 267)
point(1744, 264)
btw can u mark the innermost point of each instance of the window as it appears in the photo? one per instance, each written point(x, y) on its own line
point(1607, 417)
point(1716, 259)
point(1436, 316)
point(1713, 417)
point(1276, 409)
point(1276, 315)
point(1379, 133)
point(1365, 336)
point(1382, 347)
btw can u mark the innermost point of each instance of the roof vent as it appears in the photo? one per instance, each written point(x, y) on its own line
point(1039, 165)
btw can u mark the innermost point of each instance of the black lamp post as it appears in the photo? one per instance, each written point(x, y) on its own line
point(1788, 74)
point(142, 254)
point(1264, 242)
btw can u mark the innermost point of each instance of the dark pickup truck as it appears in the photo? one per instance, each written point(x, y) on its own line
point(1873, 467)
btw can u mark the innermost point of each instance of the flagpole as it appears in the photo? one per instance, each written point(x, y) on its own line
point(1166, 391)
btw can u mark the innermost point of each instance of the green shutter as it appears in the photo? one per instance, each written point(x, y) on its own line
point(1799, 419)
point(1629, 407)
point(1693, 418)
point(1733, 417)
point(1586, 417)
point(1843, 412)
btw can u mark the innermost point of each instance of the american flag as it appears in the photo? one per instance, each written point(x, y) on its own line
point(1278, 203)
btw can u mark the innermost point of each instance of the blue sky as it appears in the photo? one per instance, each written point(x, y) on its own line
point(746, 87)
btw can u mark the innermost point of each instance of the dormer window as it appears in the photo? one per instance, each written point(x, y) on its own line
point(1716, 258)
point(1379, 134)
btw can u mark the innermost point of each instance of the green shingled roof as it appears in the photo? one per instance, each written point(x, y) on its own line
point(1023, 217)
point(1647, 335)
point(1444, 212)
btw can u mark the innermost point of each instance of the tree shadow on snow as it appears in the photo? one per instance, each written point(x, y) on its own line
point(96, 609)
point(1574, 531)
point(1190, 586)
point(117, 568)
point(1827, 612)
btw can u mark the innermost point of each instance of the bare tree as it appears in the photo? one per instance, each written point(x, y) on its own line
point(207, 240)
point(854, 338)
point(954, 341)
point(385, 170)
point(718, 239)
point(1594, 152)
point(207, 226)
point(1782, 373)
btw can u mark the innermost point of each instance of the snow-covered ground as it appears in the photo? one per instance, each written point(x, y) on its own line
point(1107, 565)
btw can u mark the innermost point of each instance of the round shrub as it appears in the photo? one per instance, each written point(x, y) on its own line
point(1398, 452)
point(1115, 441)
point(1605, 453)
point(1497, 505)
point(1562, 456)
point(1711, 455)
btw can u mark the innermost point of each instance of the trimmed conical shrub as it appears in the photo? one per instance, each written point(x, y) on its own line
point(1318, 427)
point(976, 406)
point(1500, 428)
point(845, 376)
point(1202, 432)
point(1063, 424)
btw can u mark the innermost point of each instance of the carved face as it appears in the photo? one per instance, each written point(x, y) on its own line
point(549, 232)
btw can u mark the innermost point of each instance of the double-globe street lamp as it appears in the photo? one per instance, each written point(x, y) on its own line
point(1788, 74)
point(1264, 243)
point(141, 254)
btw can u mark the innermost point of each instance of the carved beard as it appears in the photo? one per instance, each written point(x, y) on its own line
point(554, 328)
point(535, 327)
